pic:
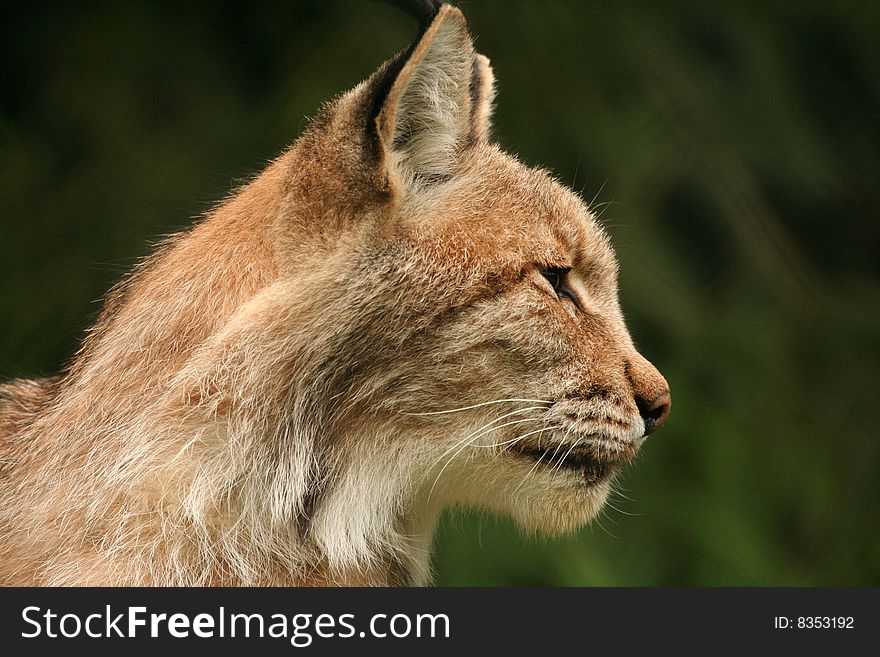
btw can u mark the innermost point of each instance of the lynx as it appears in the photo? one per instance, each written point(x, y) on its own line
point(394, 317)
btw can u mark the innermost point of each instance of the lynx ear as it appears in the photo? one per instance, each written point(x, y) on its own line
point(428, 114)
point(482, 99)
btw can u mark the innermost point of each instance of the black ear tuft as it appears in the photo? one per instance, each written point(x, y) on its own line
point(423, 10)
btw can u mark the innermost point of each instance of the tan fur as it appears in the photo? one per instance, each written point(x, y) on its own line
point(272, 397)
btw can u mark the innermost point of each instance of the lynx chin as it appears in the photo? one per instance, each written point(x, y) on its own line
point(394, 317)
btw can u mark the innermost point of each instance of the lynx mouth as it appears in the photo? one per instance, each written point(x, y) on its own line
point(596, 462)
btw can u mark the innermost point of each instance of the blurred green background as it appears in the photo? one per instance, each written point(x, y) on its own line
point(734, 152)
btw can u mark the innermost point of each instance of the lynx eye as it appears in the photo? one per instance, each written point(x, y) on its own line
point(554, 277)
point(557, 277)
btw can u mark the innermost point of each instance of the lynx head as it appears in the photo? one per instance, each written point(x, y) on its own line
point(394, 317)
point(454, 313)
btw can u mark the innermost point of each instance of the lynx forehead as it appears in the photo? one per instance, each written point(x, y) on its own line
point(394, 317)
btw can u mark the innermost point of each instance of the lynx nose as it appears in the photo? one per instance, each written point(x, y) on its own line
point(655, 411)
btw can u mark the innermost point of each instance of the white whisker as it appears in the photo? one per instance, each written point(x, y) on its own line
point(464, 444)
point(520, 437)
point(528, 474)
point(488, 403)
point(565, 456)
point(598, 519)
point(477, 433)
